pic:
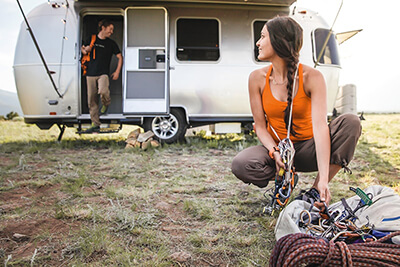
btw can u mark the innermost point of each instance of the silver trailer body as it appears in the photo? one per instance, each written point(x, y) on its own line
point(169, 82)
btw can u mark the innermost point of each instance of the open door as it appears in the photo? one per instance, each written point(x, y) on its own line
point(146, 82)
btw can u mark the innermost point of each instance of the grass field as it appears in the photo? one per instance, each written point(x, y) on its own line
point(88, 201)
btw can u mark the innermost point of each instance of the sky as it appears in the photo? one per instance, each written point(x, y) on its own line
point(368, 59)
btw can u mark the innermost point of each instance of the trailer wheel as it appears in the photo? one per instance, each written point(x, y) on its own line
point(168, 129)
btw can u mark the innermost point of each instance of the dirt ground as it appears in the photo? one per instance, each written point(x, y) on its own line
point(31, 227)
point(20, 237)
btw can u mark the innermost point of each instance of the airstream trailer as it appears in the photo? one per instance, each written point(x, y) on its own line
point(186, 63)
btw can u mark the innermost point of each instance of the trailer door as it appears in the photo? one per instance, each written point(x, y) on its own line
point(146, 63)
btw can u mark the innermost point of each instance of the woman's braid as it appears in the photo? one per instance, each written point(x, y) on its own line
point(286, 38)
point(291, 66)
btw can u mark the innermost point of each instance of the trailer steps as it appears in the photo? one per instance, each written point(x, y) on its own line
point(102, 131)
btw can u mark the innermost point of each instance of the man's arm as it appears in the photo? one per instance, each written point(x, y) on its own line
point(115, 74)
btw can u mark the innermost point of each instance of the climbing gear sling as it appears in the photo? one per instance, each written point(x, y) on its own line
point(285, 179)
point(86, 58)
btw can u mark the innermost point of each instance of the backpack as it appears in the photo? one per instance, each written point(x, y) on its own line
point(86, 58)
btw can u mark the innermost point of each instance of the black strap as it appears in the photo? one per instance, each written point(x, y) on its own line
point(348, 209)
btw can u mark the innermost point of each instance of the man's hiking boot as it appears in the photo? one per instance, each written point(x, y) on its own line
point(93, 129)
point(103, 110)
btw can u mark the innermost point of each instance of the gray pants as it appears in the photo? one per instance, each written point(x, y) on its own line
point(253, 164)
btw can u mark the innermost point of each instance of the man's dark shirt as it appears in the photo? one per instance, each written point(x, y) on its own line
point(104, 49)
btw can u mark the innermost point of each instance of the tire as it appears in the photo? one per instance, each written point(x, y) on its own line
point(168, 129)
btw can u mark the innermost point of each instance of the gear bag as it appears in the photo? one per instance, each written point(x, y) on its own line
point(86, 58)
point(383, 214)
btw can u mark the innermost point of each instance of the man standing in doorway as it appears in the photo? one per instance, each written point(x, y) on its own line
point(101, 49)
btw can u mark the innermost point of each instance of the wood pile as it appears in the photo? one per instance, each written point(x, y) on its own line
point(141, 140)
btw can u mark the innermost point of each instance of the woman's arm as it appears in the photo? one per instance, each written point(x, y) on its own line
point(316, 87)
point(256, 82)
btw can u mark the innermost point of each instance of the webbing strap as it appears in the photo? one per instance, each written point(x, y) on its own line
point(92, 44)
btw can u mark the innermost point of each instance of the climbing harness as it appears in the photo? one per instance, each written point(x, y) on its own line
point(286, 179)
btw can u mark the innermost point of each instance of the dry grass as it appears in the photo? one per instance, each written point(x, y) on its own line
point(88, 201)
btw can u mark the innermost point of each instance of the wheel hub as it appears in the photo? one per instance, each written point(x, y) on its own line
point(165, 125)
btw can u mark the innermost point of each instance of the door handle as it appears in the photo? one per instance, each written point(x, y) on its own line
point(160, 58)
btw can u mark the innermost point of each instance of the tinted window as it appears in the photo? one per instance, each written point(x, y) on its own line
point(329, 54)
point(257, 27)
point(197, 39)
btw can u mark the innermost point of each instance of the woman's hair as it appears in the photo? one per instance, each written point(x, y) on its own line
point(286, 37)
point(105, 23)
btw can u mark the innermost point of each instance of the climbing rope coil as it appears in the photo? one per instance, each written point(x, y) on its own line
point(298, 249)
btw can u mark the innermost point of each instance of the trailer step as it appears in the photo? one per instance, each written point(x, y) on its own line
point(102, 131)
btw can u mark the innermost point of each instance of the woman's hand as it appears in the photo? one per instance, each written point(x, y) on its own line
point(278, 162)
point(324, 193)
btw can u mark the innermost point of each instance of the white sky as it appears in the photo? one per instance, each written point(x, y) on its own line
point(368, 59)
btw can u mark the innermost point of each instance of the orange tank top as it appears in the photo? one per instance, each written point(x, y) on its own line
point(275, 111)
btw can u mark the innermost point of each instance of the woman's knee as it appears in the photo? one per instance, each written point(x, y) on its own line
point(238, 166)
point(251, 171)
point(349, 124)
point(353, 120)
point(344, 138)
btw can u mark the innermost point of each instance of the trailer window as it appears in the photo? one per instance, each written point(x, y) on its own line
point(257, 27)
point(197, 39)
point(329, 54)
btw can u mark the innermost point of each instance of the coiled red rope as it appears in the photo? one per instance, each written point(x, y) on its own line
point(297, 249)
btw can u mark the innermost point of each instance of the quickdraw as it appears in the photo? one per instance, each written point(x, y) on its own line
point(338, 225)
point(285, 180)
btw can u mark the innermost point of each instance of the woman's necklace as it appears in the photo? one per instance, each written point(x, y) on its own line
point(279, 83)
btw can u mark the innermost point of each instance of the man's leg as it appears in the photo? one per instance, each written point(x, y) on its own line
point(93, 101)
point(104, 91)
